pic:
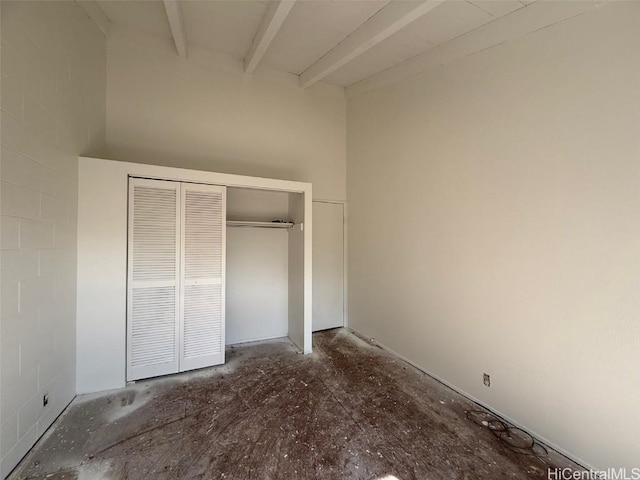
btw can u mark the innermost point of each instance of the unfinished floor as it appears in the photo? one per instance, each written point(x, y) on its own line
point(349, 410)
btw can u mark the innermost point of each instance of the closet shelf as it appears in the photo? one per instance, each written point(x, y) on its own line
point(248, 224)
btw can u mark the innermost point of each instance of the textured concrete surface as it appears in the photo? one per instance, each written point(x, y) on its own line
point(348, 411)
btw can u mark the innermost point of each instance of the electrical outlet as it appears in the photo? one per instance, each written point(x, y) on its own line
point(486, 379)
point(45, 399)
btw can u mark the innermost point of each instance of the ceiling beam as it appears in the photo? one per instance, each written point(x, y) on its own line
point(273, 19)
point(174, 14)
point(393, 17)
point(95, 13)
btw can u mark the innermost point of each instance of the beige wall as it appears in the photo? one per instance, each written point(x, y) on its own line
point(53, 109)
point(204, 113)
point(494, 226)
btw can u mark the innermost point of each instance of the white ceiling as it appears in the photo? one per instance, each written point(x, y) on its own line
point(314, 27)
point(147, 16)
point(222, 26)
point(311, 29)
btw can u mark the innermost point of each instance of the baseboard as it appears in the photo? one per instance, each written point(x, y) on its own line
point(540, 438)
point(257, 339)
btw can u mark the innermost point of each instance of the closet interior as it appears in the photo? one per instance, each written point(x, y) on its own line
point(259, 227)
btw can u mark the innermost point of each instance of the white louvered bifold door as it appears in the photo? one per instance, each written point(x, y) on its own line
point(202, 275)
point(152, 288)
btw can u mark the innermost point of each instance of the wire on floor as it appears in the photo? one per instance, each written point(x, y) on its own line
point(513, 438)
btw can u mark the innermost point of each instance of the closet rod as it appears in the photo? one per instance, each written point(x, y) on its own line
point(247, 224)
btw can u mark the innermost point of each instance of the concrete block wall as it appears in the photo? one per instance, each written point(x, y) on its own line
point(53, 101)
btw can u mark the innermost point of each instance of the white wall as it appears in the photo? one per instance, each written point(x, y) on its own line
point(102, 253)
point(296, 274)
point(328, 261)
point(257, 205)
point(494, 226)
point(257, 284)
point(204, 113)
point(53, 67)
point(257, 267)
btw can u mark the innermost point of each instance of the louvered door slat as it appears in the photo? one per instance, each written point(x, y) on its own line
point(203, 321)
point(152, 302)
point(202, 279)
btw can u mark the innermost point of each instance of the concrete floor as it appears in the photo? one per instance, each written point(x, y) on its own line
point(348, 411)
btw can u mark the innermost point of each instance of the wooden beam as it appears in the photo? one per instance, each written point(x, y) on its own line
point(273, 19)
point(390, 19)
point(174, 14)
point(95, 13)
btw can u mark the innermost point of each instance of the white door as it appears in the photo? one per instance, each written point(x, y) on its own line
point(152, 289)
point(202, 275)
point(328, 265)
point(176, 265)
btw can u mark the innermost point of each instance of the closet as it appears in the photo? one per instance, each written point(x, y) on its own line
point(164, 284)
point(176, 277)
point(258, 231)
